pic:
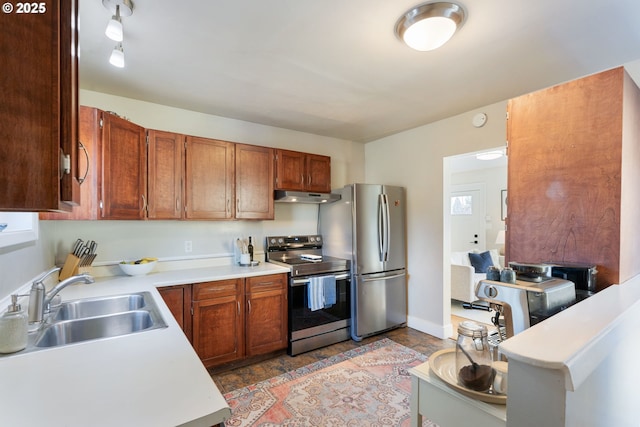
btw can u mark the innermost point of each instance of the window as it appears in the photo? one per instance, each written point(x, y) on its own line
point(20, 228)
point(462, 205)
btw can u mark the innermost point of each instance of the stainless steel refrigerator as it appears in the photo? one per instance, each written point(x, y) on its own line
point(367, 225)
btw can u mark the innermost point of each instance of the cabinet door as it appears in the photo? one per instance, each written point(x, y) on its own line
point(266, 314)
point(38, 112)
point(124, 169)
point(218, 321)
point(254, 182)
point(178, 299)
point(209, 179)
point(89, 170)
point(165, 152)
point(318, 170)
point(290, 173)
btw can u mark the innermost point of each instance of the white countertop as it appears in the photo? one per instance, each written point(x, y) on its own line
point(151, 378)
point(577, 339)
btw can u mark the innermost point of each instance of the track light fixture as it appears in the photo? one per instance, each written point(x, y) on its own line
point(115, 30)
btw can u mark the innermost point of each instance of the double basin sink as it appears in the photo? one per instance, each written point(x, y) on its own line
point(97, 318)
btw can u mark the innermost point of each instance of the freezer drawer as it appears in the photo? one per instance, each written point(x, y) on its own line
point(379, 303)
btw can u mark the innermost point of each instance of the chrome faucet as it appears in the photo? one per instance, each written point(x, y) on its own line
point(40, 300)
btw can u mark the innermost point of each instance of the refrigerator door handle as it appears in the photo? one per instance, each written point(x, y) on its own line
point(374, 279)
point(381, 227)
point(387, 228)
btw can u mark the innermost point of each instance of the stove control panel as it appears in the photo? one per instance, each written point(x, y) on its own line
point(293, 242)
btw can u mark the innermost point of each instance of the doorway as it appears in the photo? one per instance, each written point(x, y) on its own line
point(472, 205)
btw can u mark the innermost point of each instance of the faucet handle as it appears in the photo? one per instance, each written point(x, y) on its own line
point(43, 276)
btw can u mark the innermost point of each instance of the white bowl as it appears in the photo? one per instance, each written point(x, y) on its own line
point(137, 269)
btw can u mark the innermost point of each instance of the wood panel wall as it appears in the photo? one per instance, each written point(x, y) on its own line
point(565, 175)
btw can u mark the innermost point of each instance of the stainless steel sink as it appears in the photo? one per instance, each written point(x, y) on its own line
point(96, 318)
point(91, 328)
point(92, 307)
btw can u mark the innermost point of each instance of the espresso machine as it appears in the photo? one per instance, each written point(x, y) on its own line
point(535, 296)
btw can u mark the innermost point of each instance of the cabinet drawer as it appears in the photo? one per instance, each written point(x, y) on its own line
point(219, 288)
point(265, 283)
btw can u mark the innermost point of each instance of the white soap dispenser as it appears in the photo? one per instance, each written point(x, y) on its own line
point(13, 328)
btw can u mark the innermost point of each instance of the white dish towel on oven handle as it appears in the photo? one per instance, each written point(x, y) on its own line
point(321, 292)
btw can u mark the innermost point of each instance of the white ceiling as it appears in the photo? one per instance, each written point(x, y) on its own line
point(335, 67)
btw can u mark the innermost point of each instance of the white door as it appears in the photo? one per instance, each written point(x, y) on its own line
point(467, 209)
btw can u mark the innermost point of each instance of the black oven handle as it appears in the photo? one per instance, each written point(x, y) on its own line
point(300, 282)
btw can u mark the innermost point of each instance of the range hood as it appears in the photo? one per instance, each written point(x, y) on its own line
point(283, 196)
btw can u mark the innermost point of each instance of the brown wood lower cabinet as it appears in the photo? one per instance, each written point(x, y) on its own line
point(228, 320)
point(266, 318)
point(218, 320)
point(178, 299)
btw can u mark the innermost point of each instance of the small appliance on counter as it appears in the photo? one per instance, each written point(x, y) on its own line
point(534, 297)
point(585, 277)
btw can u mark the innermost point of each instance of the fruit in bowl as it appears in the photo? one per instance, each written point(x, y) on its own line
point(138, 267)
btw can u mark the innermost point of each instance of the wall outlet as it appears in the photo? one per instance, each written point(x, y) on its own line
point(188, 246)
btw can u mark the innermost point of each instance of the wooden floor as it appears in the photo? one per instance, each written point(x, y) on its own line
point(281, 363)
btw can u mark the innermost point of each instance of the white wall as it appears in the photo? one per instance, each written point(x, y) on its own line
point(414, 159)
point(165, 239)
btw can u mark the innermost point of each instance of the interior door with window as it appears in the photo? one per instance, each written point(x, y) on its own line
point(467, 218)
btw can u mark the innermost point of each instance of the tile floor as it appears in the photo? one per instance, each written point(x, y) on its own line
point(240, 377)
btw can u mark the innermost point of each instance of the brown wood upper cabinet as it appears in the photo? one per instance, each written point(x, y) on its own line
point(114, 181)
point(302, 171)
point(254, 182)
point(123, 188)
point(209, 178)
point(39, 108)
point(166, 169)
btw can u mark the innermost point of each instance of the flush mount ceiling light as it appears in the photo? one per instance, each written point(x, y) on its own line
point(430, 25)
point(117, 56)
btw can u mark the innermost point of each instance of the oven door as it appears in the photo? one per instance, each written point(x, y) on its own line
point(303, 322)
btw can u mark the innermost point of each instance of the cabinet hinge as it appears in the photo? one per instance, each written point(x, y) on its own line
point(65, 164)
point(507, 115)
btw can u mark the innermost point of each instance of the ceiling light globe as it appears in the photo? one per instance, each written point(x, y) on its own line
point(117, 56)
point(429, 25)
point(429, 34)
point(114, 29)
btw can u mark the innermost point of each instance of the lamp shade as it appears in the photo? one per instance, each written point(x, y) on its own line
point(117, 56)
point(429, 25)
point(114, 29)
point(500, 238)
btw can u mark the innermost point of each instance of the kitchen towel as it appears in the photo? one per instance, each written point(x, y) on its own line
point(315, 293)
point(329, 287)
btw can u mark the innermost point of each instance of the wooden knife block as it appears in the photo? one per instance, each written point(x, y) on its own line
point(70, 267)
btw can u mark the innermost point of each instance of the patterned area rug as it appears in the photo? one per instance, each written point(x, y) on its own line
point(367, 386)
